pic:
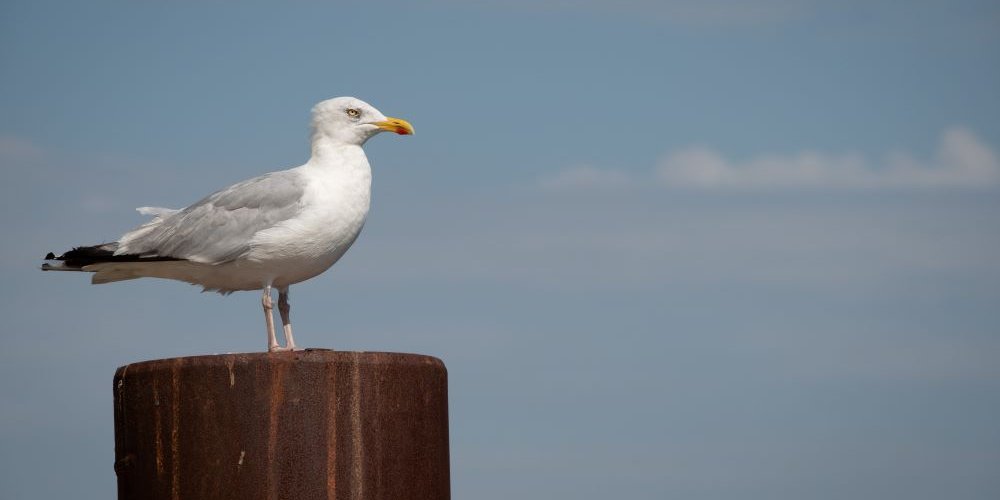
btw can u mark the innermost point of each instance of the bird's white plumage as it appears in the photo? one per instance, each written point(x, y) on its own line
point(277, 229)
point(269, 231)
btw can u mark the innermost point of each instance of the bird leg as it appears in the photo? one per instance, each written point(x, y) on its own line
point(286, 323)
point(272, 341)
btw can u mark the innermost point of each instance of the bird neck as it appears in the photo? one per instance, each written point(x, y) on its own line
point(325, 150)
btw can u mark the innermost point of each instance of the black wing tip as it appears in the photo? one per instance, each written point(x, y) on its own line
point(82, 256)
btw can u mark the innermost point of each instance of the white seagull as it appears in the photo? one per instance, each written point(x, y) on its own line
point(270, 231)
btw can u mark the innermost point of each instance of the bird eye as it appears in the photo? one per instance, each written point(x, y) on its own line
point(353, 113)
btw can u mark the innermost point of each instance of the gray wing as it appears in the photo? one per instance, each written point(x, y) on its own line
point(219, 227)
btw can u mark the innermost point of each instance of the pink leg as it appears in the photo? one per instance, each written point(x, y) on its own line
point(272, 341)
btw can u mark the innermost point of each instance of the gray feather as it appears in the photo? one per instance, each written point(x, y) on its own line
point(219, 227)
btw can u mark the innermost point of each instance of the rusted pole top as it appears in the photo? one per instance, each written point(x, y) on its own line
point(314, 424)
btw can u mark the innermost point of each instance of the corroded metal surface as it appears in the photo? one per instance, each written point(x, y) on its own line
point(312, 424)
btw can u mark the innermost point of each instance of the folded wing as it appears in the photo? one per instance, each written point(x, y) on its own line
point(220, 227)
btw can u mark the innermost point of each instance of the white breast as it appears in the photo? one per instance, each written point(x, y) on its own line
point(335, 205)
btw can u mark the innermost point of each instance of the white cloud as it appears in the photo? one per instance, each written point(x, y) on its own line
point(962, 161)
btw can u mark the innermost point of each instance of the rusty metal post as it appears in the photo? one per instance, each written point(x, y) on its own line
point(312, 424)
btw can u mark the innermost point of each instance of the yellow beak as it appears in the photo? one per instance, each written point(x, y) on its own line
point(397, 125)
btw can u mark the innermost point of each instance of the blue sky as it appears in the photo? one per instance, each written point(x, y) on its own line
point(667, 249)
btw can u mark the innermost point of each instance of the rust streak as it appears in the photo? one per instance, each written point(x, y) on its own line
point(232, 376)
point(175, 442)
point(120, 409)
point(273, 425)
point(357, 465)
point(121, 382)
point(331, 434)
point(158, 429)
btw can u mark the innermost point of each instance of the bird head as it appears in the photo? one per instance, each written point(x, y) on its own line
point(348, 120)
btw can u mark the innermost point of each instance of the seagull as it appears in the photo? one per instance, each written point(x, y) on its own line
point(270, 231)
